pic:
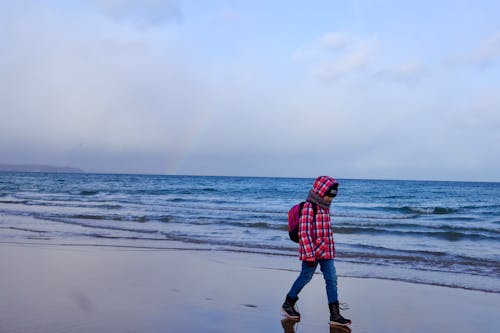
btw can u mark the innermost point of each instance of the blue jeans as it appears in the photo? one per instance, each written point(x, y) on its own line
point(329, 274)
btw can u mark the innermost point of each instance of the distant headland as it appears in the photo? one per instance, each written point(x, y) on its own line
point(37, 168)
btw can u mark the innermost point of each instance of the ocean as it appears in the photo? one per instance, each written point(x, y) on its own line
point(438, 233)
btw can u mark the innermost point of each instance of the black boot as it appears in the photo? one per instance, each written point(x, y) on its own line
point(335, 316)
point(289, 324)
point(288, 308)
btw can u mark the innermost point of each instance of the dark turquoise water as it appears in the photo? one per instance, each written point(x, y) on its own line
point(444, 233)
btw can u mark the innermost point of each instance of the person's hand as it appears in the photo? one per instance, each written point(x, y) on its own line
point(311, 263)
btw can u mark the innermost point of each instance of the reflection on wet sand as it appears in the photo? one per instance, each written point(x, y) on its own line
point(289, 325)
point(339, 329)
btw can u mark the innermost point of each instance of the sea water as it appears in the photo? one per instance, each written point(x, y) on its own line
point(443, 233)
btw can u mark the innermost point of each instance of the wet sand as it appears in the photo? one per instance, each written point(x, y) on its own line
point(49, 288)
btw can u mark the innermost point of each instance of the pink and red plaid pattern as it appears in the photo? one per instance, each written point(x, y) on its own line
point(322, 184)
point(315, 237)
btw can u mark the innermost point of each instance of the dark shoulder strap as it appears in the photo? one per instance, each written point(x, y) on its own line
point(315, 209)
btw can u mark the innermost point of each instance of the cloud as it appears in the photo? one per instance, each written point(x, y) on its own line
point(345, 64)
point(488, 53)
point(116, 87)
point(323, 46)
point(335, 40)
point(408, 73)
point(479, 113)
point(103, 86)
point(230, 16)
point(336, 55)
point(142, 13)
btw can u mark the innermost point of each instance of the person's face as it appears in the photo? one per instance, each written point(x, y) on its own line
point(332, 193)
point(328, 198)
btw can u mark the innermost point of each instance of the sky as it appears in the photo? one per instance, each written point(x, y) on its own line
point(352, 89)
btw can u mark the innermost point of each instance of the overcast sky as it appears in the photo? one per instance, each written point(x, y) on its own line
point(353, 89)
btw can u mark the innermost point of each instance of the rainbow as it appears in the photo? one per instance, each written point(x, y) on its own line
point(188, 142)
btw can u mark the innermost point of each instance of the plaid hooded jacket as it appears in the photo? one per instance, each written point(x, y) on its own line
point(316, 237)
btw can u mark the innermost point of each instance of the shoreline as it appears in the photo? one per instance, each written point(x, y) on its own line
point(206, 247)
point(76, 288)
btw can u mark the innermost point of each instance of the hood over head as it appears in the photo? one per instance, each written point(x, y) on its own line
point(323, 184)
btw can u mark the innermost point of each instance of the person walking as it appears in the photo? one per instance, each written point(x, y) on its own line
point(316, 246)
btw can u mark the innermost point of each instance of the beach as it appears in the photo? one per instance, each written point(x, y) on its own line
point(63, 288)
point(436, 233)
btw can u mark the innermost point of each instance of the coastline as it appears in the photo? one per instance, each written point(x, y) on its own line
point(51, 288)
point(445, 238)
